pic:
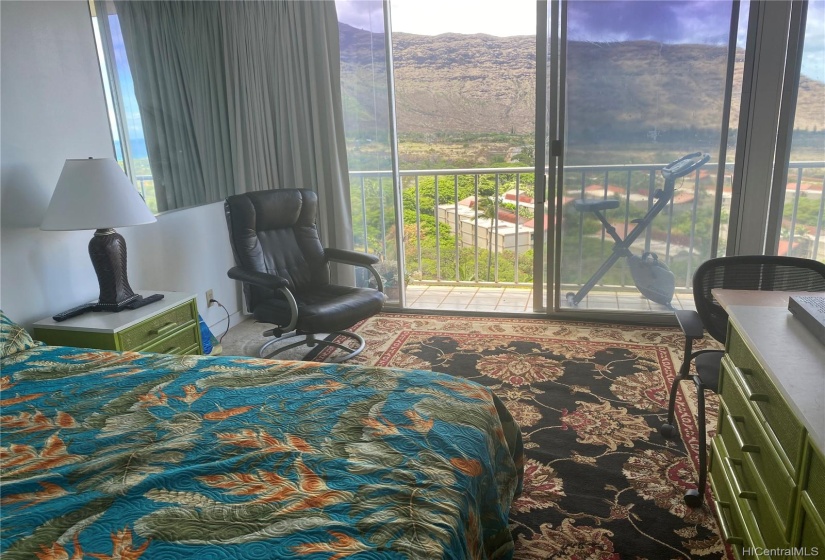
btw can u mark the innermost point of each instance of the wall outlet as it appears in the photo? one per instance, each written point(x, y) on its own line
point(209, 298)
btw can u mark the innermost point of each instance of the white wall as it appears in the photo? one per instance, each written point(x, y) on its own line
point(52, 108)
point(187, 251)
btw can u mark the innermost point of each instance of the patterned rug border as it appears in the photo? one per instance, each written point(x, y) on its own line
point(401, 339)
point(324, 353)
point(527, 319)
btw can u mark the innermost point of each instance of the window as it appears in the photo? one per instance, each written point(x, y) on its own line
point(637, 98)
point(802, 231)
point(124, 116)
point(367, 126)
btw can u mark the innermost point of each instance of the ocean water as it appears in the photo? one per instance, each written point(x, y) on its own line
point(138, 146)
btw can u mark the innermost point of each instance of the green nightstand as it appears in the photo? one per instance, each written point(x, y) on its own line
point(168, 326)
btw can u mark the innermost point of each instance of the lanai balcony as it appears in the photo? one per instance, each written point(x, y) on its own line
point(468, 233)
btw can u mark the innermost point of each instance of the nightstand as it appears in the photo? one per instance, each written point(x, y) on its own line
point(168, 326)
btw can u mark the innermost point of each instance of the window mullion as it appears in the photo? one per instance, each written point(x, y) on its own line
point(101, 8)
point(787, 112)
point(765, 64)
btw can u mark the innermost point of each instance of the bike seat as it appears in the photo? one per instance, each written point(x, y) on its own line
point(594, 205)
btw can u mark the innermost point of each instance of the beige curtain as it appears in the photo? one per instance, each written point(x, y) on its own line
point(239, 96)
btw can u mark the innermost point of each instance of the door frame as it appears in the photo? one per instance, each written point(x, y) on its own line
point(544, 163)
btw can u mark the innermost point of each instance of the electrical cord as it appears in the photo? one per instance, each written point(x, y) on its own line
point(220, 339)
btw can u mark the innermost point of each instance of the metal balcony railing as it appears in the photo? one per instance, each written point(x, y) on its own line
point(473, 226)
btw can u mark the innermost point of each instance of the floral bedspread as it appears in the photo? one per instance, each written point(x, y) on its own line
point(128, 455)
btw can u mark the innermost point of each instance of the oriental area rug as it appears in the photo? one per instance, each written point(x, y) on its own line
point(600, 482)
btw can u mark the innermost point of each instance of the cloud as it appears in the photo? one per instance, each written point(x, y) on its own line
point(493, 17)
point(361, 14)
point(697, 21)
point(813, 51)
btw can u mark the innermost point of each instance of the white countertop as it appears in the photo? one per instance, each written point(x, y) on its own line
point(792, 357)
point(111, 321)
point(758, 298)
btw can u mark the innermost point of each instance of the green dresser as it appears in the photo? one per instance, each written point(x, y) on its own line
point(168, 326)
point(766, 464)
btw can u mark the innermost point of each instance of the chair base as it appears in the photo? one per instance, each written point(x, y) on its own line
point(310, 341)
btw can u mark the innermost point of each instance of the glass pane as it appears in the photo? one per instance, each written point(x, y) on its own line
point(465, 78)
point(107, 91)
point(803, 220)
point(645, 85)
point(365, 93)
point(730, 151)
point(124, 115)
point(132, 125)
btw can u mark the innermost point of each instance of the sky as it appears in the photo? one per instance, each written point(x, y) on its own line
point(590, 20)
point(670, 21)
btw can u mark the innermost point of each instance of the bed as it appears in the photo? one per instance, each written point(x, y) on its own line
point(129, 455)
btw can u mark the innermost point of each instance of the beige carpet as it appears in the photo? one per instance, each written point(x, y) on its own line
point(246, 339)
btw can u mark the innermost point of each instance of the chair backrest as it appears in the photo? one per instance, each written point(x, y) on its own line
point(274, 232)
point(750, 272)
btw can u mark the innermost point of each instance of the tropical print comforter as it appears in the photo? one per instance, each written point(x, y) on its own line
point(125, 455)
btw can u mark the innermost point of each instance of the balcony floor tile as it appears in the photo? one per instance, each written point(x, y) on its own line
point(519, 299)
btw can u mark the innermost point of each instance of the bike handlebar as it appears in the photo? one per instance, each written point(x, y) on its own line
point(684, 165)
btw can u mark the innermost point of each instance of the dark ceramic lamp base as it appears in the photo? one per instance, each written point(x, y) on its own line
point(107, 250)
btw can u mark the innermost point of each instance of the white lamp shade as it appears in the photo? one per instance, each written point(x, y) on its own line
point(94, 194)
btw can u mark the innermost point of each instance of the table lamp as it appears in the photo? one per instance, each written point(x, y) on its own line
point(96, 194)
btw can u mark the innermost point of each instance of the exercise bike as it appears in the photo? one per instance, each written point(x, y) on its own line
point(652, 277)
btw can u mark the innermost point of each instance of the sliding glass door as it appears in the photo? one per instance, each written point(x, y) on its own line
point(369, 125)
point(640, 84)
point(460, 177)
point(525, 174)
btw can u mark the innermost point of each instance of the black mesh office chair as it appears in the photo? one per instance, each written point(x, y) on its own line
point(749, 272)
point(285, 270)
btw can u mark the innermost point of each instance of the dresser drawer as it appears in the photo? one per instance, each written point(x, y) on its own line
point(731, 527)
point(157, 328)
point(774, 529)
point(812, 504)
point(811, 529)
point(737, 524)
point(745, 436)
point(729, 432)
point(746, 485)
point(182, 342)
point(815, 478)
point(781, 424)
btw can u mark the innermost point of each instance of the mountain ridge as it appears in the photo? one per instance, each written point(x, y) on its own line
point(483, 84)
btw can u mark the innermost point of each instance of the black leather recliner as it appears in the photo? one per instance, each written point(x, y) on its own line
point(285, 270)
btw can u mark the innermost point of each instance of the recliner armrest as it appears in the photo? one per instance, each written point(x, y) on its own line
point(258, 278)
point(357, 259)
point(350, 257)
point(690, 323)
